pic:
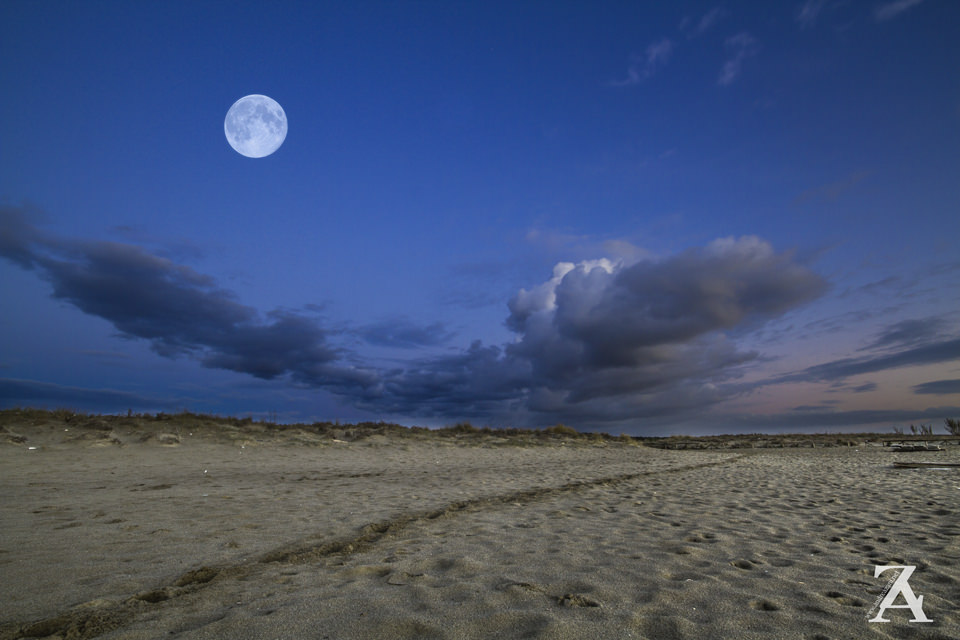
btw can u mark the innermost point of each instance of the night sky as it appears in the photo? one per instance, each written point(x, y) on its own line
point(639, 217)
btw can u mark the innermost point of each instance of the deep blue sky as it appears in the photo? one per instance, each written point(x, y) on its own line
point(643, 217)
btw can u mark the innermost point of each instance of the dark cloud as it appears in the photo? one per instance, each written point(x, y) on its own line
point(598, 342)
point(479, 382)
point(842, 387)
point(930, 353)
point(179, 311)
point(808, 418)
point(908, 333)
point(602, 342)
point(938, 387)
point(401, 333)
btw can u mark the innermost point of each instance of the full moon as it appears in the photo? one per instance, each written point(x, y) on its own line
point(255, 126)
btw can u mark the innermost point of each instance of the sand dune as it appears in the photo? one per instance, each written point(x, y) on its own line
point(383, 538)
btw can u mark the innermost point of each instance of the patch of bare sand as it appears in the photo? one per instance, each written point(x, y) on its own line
point(81, 522)
point(475, 543)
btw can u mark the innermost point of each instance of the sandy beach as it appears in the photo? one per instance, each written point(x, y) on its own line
point(140, 531)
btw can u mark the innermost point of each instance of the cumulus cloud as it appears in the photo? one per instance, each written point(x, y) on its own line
point(739, 48)
point(890, 10)
point(644, 66)
point(599, 316)
point(602, 341)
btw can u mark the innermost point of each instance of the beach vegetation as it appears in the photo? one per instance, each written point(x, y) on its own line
point(561, 429)
point(129, 427)
point(952, 425)
point(64, 414)
point(462, 428)
point(921, 430)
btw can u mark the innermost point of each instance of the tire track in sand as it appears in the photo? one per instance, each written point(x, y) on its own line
point(98, 617)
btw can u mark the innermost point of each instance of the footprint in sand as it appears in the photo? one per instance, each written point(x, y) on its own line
point(844, 599)
point(764, 605)
point(701, 538)
point(781, 562)
point(576, 600)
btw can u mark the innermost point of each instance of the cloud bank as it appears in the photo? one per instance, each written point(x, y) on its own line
point(597, 342)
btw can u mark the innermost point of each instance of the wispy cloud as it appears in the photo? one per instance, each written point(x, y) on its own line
point(946, 350)
point(739, 48)
point(403, 334)
point(706, 22)
point(908, 333)
point(890, 10)
point(808, 12)
point(644, 66)
point(835, 419)
point(832, 191)
point(938, 387)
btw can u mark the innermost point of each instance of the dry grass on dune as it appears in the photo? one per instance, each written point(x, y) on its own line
point(167, 428)
point(68, 425)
